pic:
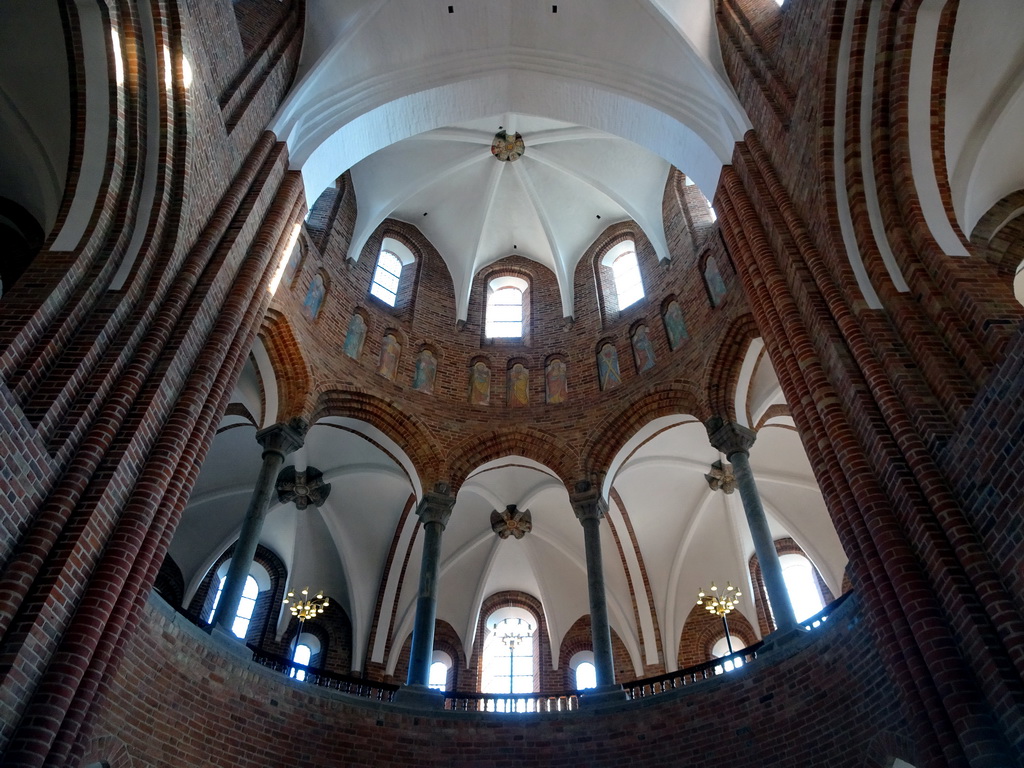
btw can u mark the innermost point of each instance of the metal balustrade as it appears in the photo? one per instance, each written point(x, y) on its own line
point(530, 703)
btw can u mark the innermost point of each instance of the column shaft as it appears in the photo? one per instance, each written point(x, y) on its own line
point(764, 545)
point(600, 629)
point(434, 511)
point(277, 441)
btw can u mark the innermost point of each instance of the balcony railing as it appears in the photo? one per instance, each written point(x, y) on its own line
point(356, 686)
point(560, 701)
point(565, 701)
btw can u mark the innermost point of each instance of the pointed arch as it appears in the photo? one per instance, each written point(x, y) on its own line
point(724, 371)
point(290, 367)
point(407, 433)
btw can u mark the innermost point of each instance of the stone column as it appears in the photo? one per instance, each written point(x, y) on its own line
point(590, 508)
point(433, 512)
point(277, 441)
point(734, 440)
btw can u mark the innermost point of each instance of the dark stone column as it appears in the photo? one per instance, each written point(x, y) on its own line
point(590, 508)
point(277, 441)
point(434, 511)
point(734, 440)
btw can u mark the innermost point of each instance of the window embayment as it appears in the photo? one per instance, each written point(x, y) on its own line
point(386, 278)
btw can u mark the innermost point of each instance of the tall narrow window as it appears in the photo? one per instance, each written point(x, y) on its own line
point(303, 653)
point(505, 297)
point(508, 654)
point(440, 665)
point(629, 286)
point(386, 278)
point(583, 669)
point(246, 605)
point(798, 573)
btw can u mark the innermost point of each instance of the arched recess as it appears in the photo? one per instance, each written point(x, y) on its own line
point(280, 363)
point(524, 441)
point(414, 444)
point(724, 372)
point(35, 105)
point(604, 451)
point(701, 630)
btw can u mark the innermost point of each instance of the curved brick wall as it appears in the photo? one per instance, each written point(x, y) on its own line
point(180, 698)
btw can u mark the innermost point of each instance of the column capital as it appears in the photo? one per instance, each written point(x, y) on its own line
point(586, 502)
point(436, 506)
point(728, 436)
point(283, 438)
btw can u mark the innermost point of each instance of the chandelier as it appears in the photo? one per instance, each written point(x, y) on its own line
point(306, 607)
point(716, 604)
point(513, 631)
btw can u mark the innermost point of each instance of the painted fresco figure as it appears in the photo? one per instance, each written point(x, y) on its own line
point(355, 336)
point(390, 351)
point(314, 297)
point(643, 350)
point(518, 386)
point(608, 366)
point(556, 383)
point(715, 283)
point(675, 326)
point(426, 370)
point(480, 384)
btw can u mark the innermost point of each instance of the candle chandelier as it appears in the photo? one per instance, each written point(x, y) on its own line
point(305, 607)
point(719, 604)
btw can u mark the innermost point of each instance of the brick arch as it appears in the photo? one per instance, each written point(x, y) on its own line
point(108, 751)
point(701, 631)
point(386, 416)
point(544, 677)
point(607, 441)
point(885, 747)
point(290, 368)
point(783, 546)
point(724, 371)
point(519, 440)
point(579, 638)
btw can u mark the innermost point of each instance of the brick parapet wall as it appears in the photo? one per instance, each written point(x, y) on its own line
point(828, 704)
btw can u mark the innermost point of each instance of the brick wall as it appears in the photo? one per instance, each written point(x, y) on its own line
point(830, 704)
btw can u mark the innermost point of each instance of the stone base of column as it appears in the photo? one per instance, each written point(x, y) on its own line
point(781, 638)
point(603, 696)
point(419, 697)
point(229, 642)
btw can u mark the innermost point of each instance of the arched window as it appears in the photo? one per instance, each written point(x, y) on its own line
point(303, 653)
point(307, 647)
point(583, 670)
point(508, 652)
point(387, 277)
point(721, 648)
point(798, 574)
point(246, 605)
point(439, 667)
point(505, 304)
point(629, 286)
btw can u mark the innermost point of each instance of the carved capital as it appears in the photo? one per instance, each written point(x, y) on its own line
point(728, 436)
point(587, 503)
point(436, 506)
point(283, 438)
point(302, 487)
point(511, 522)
